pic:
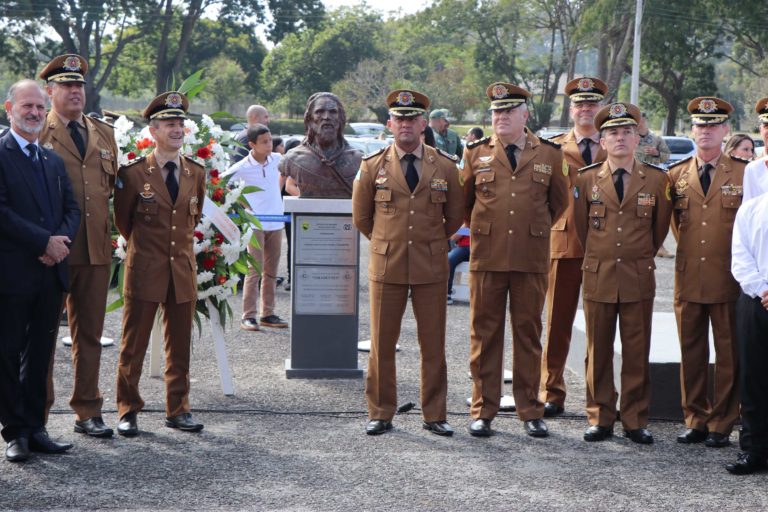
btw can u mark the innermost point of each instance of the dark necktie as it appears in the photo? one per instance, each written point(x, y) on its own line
point(77, 138)
point(706, 179)
point(37, 166)
point(587, 153)
point(510, 151)
point(619, 184)
point(170, 181)
point(411, 176)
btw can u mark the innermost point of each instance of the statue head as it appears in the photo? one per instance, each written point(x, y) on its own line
point(324, 120)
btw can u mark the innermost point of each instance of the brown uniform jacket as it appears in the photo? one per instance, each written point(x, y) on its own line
point(408, 230)
point(703, 227)
point(93, 180)
point(510, 213)
point(564, 242)
point(620, 241)
point(159, 233)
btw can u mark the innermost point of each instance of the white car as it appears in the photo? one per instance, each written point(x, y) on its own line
point(367, 129)
point(679, 148)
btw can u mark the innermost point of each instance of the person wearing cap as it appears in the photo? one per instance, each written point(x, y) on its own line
point(622, 211)
point(158, 203)
point(707, 194)
point(407, 201)
point(652, 148)
point(87, 146)
point(581, 147)
point(324, 164)
point(40, 218)
point(515, 188)
point(756, 173)
point(445, 138)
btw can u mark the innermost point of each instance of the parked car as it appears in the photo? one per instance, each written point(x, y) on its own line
point(367, 129)
point(550, 131)
point(679, 148)
point(759, 146)
point(367, 144)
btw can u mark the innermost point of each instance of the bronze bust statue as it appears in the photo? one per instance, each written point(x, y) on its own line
point(324, 164)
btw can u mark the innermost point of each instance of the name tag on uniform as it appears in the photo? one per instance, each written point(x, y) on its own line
point(645, 199)
point(542, 168)
point(485, 159)
point(732, 190)
point(438, 184)
point(484, 169)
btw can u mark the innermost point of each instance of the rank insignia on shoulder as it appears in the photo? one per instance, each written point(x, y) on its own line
point(550, 142)
point(680, 162)
point(478, 142)
point(657, 167)
point(593, 166)
point(448, 155)
point(373, 154)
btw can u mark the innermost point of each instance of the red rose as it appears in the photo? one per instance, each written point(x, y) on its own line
point(218, 195)
point(219, 238)
point(214, 173)
point(209, 262)
point(215, 181)
point(199, 235)
point(222, 279)
point(114, 244)
point(131, 155)
point(204, 153)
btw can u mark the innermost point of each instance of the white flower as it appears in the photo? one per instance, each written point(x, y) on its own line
point(205, 276)
point(144, 134)
point(207, 121)
point(120, 250)
point(190, 132)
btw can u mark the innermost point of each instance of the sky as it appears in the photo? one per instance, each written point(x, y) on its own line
point(384, 6)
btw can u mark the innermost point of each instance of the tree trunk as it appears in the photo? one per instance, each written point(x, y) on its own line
point(620, 60)
point(671, 101)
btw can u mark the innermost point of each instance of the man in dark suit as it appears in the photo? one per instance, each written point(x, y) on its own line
point(40, 220)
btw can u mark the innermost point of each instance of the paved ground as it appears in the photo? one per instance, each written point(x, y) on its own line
point(298, 445)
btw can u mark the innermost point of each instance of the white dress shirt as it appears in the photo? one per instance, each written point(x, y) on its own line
point(749, 259)
point(268, 200)
point(756, 178)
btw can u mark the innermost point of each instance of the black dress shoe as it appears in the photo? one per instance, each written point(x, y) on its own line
point(376, 427)
point(551, 409)
point(717, 440)
point(93, 427)
point(17, 450)
point(184, 422)
point(40, 442)
point(691, 436)
point(273, 321)
point(480, 428)
point(440, 428)
point(536, 428)
point(747, 463)
point(639, 436)
point(597, 433)
point(127, 426)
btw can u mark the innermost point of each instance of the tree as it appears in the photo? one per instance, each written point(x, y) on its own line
point(225, 82)
point(365, 88)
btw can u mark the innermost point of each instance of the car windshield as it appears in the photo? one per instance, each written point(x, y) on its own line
point(679, 145)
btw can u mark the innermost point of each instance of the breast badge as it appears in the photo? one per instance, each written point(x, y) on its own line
point(439, 185)
point(645, 199)
point(147, 194)
point(542, 168)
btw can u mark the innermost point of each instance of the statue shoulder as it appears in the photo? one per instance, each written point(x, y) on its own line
point(478, 142)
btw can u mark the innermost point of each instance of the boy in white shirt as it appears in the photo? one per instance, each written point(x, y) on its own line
point(259, 168)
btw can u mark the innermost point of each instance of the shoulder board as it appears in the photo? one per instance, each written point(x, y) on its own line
point(448, 155)
point(550, 142)
point(596, 164)
point(680, 162)
point(101, 121)
point(133, 162)
point(377, 152)
point(657, 167)
point(553, 137)
point(474, 143)
point(739, 159)
point(193, 161)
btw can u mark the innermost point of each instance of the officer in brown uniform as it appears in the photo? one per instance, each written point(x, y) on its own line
point(707, 193)
point(89, 151)
point(581, 147)
point(407, 200)
point(622, 211)
point(515, 187)
point(158, 203)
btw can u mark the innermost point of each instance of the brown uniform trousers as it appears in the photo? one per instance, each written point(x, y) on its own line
point(566, 256)
point(93, 179)
point(160, 268)
point(510, 213)
point(705, 290)
point(409, 251)
point(620, 241)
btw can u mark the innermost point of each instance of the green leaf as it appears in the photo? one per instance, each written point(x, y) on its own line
point(191, 82)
